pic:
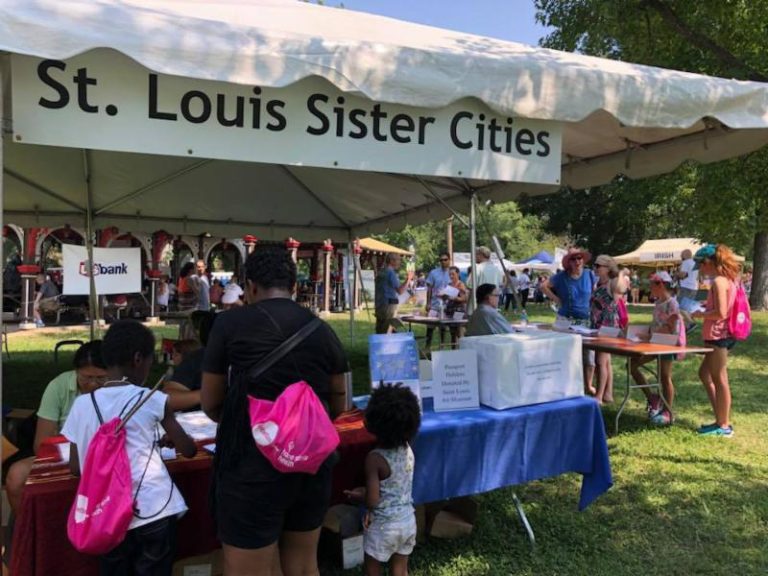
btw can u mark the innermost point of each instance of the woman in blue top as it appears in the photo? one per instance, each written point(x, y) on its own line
point(570, 290)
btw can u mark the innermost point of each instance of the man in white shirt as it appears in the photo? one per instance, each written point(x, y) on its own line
point(487, 271)
point(688, 287)
point(688, 277)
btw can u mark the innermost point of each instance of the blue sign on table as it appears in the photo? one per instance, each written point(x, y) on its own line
point(393, 358)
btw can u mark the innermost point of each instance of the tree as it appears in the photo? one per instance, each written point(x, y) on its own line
point(616, 218)
point(520, 235)
point(725, 38)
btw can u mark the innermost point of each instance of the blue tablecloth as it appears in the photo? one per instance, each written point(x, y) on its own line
point(473, 451)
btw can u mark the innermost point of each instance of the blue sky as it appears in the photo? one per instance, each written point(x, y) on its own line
point(506, 19)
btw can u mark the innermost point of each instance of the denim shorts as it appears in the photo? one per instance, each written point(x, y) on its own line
point(726, 343)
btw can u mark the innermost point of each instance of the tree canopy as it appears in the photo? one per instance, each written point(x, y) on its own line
point(520, 235)
point(723, 202)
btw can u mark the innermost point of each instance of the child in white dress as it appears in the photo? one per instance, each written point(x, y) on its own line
point(393, 416)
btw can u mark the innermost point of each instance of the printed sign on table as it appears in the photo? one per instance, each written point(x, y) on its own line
point(539, 370)
point(115, 270)
point(454, 377)
point(394, 358)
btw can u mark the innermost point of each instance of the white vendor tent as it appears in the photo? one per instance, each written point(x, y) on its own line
point(661, 252)
point(462, 261)
point(106, 109)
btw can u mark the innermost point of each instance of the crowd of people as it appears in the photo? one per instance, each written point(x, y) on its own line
point(596, 298)
point(195, 289)
point(268, 521)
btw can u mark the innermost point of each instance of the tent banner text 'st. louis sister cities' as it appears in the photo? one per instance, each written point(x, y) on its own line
point(105, 100)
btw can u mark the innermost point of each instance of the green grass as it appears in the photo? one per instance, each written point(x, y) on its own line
point(680, 504)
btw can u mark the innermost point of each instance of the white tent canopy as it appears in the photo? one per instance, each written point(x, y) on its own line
point(462, 261)
point(661, 252)
point(616, 118)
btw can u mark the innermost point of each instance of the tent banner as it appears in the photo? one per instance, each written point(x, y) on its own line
point(662, 255)
point(115, 270)
point(104, 100)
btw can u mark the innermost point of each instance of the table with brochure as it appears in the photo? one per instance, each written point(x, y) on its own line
point(633, 348)
point(458, 453)
point(40, 545)
point(476, 449)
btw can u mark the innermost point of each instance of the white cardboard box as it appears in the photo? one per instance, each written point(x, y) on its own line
point(352, 552)
point(529, 368)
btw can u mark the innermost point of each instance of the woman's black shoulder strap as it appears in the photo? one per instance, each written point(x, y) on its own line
point(270, 359)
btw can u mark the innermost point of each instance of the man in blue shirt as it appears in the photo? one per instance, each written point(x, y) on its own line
point(437, 280)
point(387, 292)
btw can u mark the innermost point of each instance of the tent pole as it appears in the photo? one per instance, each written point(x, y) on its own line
point(2, 288)
point(92, 298)
point(351, 282)
point(472, 248)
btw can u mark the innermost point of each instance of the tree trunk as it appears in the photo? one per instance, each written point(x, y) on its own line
point(758, 298)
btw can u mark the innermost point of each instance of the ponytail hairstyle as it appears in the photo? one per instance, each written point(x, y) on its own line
point(725, 262)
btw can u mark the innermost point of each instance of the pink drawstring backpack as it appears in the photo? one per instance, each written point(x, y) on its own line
point(623, 313)
point(740, 319)
point(103, 506)
point(294, 433)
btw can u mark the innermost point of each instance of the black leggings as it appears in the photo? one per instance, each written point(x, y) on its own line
point(523, 298)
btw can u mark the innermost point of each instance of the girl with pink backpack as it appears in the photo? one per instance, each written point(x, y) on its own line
point(724, 323)
point(126, 505)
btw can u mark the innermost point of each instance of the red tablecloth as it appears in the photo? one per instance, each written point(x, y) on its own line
point(40, 543)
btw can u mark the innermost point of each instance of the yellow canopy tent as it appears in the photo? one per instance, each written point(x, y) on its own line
point(373, 245)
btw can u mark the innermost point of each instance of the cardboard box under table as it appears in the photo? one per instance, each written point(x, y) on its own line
point(527, 368)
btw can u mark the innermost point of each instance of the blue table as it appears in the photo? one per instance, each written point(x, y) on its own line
point(473, 451)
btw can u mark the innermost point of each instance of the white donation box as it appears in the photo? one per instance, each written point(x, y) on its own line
point(529, 368)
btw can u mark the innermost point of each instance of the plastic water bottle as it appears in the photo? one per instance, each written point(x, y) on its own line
point(524, 318)
point(441, 310)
